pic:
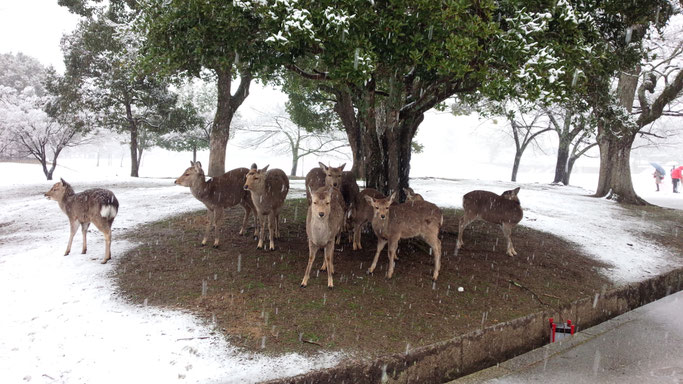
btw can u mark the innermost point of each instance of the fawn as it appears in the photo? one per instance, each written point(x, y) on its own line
point(324, 220)
point(392, 223)
point(484, 205)
point(362, 213)
point(98, 206)
point(218, 193)
point(268, 192)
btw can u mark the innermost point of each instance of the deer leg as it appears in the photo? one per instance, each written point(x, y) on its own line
point(435, 243)
point(217, 219)
point(107, 244)
point(356, 238)
point(312, 250)
point(247, 212)
point(380, 246)
point(209, 225)
point(84, 230)
point(329, 254)
point(73, 227)
point(393, 246)
point(465, 220)
point(277, 226)
point(507, 231)
point(262, 230)
point(272, 224)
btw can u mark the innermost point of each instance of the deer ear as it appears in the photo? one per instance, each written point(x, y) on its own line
point(265, 168)
point(515, 191)
point(322, 166)
point(62, 180)
point(369, 199)
point(407, 191)
point(329, 192)
point(191, 163)
point(393, 197)
point(254, 166)
point(341, 168)
point(197, 166)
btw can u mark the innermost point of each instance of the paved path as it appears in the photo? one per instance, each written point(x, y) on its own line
point(642, 346)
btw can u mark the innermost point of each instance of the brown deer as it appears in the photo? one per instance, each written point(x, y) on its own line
point(268, 192)
point(218, 193)
point(324, 220)
point(392, 223)
point(333, 177)
point(361, 213)
point(484, 205)
point(411, 195)
point(98, 206)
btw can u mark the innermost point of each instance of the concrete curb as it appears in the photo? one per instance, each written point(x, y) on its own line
point(480, 349)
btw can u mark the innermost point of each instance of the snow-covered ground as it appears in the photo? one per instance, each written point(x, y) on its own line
point(63, 321)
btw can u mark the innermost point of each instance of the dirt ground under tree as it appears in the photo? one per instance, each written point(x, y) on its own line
point(254, 299)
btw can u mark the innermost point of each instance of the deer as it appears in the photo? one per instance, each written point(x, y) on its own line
point(411, 195)
point(98, 206)
point(503, 209)
point(392, 223)
point(362, 213)
point(324, 220)
point(268, 190)
point(217, 194)
point(334, 177)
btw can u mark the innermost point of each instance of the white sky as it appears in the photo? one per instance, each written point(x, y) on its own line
point(35, 28)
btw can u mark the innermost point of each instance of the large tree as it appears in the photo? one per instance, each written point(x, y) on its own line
point(393, 61)
point(642, 72)
point(186, 36)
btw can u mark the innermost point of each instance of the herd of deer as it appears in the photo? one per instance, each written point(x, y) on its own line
point(335, 205)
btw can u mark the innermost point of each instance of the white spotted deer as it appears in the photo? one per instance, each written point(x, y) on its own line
point(217, 194)
point(392, 223)
point(324, 220)
point(98, 206)
point(504, 210)
point(268, 190)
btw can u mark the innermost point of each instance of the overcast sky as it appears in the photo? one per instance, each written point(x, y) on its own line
point(35, 28)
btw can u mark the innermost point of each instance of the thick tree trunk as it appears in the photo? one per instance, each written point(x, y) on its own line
point(226, 107)
point(347, 114)
point(615, 141)
point(133, 128)
point(561, 166)
point(295, 163)
point(570, 166)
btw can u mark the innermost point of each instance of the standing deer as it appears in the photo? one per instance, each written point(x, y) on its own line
point(504, 210)
point(98, 206)
point(324, 220)
point(268, 192)
point(392, 223)
point(362, 213)
point(332, 177)
point(218, 193)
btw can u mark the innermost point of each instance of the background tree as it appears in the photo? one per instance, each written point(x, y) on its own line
point(187, 36)
point(279, 131)
point(102, 54)
point(576, 135)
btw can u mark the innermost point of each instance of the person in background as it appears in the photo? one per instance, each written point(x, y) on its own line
point(676, 177)
point(658, 179)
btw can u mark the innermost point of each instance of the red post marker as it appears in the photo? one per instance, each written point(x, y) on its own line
point(572, 332)
point(553, 333)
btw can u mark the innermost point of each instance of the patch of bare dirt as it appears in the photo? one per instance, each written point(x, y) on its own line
point(253, 296)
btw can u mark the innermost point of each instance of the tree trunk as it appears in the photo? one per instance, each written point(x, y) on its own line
point(561, 166)
point(226, 107)
point(194, 153)
point(295, 161)
point(615, 141)
point(133, 128)
point(515, 165)
point(347, 114)
point(570, 165)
